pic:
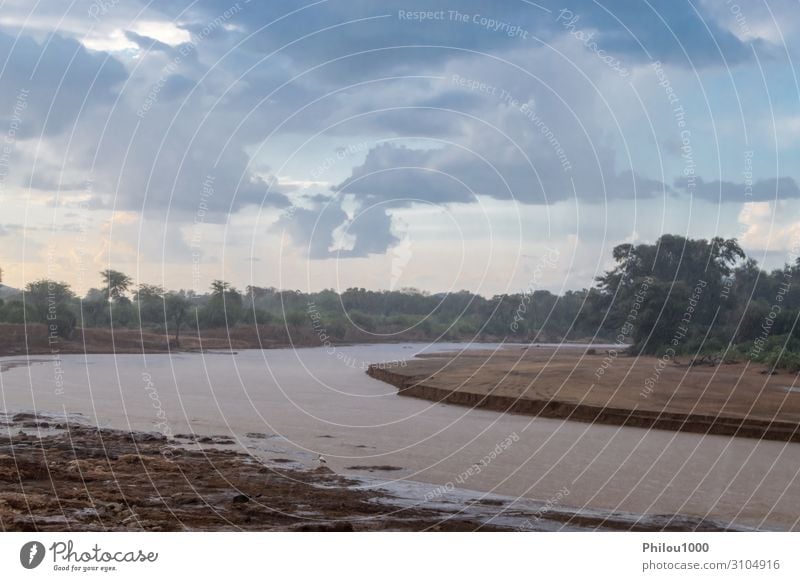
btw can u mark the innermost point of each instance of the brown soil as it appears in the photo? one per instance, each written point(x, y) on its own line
point(569, 383)
point(83, 479)
point(33, 339)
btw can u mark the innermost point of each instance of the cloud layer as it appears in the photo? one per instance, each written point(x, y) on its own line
point(196, 113)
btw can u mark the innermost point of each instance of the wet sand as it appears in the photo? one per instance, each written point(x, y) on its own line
point(607, 387)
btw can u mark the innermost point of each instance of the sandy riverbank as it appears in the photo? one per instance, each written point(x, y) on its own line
point(647, 392)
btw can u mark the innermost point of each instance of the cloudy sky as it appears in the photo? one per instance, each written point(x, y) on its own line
point(489, 146)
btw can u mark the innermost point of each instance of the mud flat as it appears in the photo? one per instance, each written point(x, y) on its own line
point(595, 385)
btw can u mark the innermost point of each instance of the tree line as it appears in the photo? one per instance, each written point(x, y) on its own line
point(704, 299)
point(354, 314)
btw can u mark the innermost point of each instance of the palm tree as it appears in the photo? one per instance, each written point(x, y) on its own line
point(116, 284)
point(219, 288)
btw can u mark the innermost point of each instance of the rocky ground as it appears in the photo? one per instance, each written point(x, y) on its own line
point(72, 477)
point(77, 478)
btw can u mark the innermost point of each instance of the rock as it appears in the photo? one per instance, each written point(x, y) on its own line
point(257, 435)
point(23, 418)
point(181, 498)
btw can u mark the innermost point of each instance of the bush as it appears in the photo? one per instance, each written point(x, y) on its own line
point(64, 324)
point(298, 318)
point(13, 312)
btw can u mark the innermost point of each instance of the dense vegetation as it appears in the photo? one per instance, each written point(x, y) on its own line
point(703, 299)
point(351, 315)
point(697, 298)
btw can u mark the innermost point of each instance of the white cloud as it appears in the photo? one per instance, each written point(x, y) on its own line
point(164, 31)
point(771, 226)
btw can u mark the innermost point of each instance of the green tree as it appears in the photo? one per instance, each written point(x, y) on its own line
point(48, 302)
point(115, 284)
point(177, 309)
point(224, 308)
point(150, 303)
point(670, 270)
point(219, 288)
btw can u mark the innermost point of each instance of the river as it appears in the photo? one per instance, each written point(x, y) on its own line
point(298, 404)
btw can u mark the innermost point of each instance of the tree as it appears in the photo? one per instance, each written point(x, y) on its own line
point(116, 284)
point(177, 309)
point(95, 295)
point(150, 302)
point(48, 302)
point(225, 306)
point(678, 276)
point(219, 288)
point(149, 291)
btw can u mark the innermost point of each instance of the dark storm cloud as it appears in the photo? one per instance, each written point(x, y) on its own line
point(400, 176)
point(57, 80)
point(313, 229)
point(724, 191)
point(126, 155)
point(671, 31)
point(371, 228)
point(191, 114)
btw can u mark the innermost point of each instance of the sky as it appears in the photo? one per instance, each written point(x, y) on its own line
point(488, 146)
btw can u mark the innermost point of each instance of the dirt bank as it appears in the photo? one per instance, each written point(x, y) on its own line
point(33, 339)
point(646, 392)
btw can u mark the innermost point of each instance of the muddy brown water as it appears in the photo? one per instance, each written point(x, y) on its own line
point(299, 404)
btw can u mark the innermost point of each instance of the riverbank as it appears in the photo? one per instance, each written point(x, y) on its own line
point(62, 476)
point(599, 386)
point(33, 339)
